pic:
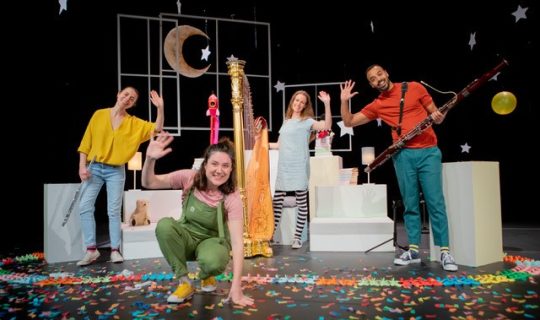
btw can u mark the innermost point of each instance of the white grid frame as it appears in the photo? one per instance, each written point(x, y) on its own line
point(165, 72)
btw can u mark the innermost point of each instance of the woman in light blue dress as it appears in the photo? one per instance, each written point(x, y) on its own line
point(293, 163)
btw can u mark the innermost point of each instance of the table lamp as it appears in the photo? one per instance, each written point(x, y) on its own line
point(368, 155)
point(135, 164)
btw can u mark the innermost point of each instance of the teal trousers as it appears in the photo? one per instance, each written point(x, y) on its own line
point(415, 169)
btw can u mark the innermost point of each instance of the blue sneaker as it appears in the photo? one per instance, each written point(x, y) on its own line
point(407, 258)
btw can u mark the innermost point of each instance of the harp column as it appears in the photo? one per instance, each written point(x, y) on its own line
point(236, 72)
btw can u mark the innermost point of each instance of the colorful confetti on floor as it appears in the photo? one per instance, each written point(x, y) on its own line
point(289, 285)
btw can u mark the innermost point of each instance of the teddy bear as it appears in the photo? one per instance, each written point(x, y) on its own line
point(140, 215)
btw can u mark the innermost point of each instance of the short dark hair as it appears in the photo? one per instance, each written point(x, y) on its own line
point(373, 66)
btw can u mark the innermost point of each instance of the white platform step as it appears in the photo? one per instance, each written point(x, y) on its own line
point(140, 242)
point(161, 203)
point(366, 200)
point(351, 234)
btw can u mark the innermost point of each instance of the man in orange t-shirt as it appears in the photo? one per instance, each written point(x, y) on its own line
point(418, 164)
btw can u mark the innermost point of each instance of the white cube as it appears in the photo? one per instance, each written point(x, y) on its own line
point(473, 204)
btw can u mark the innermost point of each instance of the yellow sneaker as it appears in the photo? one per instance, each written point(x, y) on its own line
point(183, 292)
point(209, 284)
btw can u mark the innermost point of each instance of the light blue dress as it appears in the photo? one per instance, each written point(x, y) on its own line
point(293, 163)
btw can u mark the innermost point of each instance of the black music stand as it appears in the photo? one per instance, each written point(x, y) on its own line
point(395, 205)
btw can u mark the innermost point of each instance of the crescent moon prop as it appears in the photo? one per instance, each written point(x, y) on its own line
point(173, 50)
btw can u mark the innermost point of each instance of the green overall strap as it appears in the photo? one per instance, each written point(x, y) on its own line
point(185, 204)
point(220, 219)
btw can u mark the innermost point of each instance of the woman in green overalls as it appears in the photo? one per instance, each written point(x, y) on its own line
point(210, 200)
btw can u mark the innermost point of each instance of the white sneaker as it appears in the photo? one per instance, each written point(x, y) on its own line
point(448, 262)
point(89, 257)
point(116, 257)
point(296, 244)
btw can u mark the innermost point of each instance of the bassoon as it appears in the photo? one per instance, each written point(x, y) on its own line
point(428, 121)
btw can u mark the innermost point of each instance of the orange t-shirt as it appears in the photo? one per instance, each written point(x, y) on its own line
point(386, 107)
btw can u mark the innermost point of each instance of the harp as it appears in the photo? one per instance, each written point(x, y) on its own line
point(255, 191)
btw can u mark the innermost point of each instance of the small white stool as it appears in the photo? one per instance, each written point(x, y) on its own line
point(284, 234)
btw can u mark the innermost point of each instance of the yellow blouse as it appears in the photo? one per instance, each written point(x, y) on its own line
point(114, 147)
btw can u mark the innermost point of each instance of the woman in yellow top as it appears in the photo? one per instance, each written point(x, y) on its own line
point(111, 138)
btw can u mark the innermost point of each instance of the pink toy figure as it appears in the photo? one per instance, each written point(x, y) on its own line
point(213, 113)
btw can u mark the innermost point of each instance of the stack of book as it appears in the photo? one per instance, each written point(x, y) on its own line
point(348, 176)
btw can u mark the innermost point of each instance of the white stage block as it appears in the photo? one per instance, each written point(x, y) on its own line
point(324, 171)
point(161, 203)
point(61, 243)
point(351, 201)
point(351, 234)
point(284, 234)
point(139, 242)
point(473, 204)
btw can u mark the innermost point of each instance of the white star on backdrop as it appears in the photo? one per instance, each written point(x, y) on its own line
point(280, 86)
point(372, 27)
point(205, 53)
point(465, 148)
point(344, 130)
point(179, 6)
point(379, 122)
point(520, 13)
point(472, 40)
point(494, 78)
point(232, 58)
point(63, 5)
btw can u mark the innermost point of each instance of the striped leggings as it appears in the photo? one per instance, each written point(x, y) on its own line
point(301, 203)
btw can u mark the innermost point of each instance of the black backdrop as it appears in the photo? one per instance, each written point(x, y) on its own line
point(72, 71)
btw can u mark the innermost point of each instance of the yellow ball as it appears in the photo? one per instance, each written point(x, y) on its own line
point(503, 102)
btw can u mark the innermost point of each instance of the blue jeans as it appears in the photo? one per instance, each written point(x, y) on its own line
point(415, 168)
point(114, 178)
